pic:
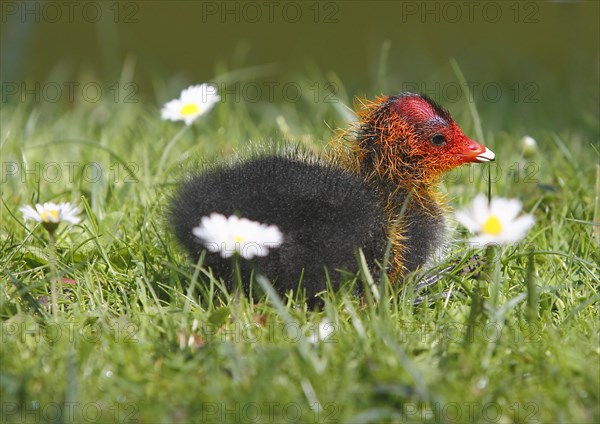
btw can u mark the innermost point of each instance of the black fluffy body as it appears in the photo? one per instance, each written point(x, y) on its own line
point(325, 214)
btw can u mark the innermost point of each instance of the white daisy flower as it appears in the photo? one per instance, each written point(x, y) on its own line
point(323, 332)
point(496, 223)
point(193, 102)
point(51, 213)
point(229, 235)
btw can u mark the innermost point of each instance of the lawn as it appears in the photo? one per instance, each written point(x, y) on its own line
point(144, 335)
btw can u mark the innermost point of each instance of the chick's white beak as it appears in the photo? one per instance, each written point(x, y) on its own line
point(486, 156)
point(471, 151)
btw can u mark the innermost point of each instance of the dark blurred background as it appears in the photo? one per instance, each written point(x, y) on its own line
point(526, 64)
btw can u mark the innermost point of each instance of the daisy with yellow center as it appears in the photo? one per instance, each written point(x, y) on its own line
point(193, 102)
point(495, 223)
point(229, 235)
point(51, 214)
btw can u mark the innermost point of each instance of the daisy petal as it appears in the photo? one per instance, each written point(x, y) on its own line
point(483, 240)
point(29, 213)
point(480, 211)
point(506, 209)
point(521, 226)
point(467, 221)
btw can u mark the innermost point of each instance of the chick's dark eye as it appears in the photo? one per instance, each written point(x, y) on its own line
point(438, 140)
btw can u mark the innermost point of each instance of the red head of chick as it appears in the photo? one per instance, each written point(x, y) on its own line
point(411, 140)
point(382, 190)
point(404, 144)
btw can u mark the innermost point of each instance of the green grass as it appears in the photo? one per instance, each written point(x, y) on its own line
point(119, 350)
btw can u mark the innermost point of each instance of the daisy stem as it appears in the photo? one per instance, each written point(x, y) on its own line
point(475, 314)
point(490, 275)
point(53, 274)
point(493, 273)
point(168, 148)
point(532, 291)
point(597, 206)
point(237, 271)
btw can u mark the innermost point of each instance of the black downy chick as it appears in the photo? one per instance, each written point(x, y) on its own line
point(384, 190)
